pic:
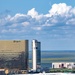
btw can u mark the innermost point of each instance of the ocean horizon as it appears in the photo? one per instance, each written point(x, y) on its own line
point(50, 56)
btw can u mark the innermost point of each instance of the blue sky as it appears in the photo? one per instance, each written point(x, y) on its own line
point(50, 21)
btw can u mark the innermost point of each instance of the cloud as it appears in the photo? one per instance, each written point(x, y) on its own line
point(36, 28)
point(25, 23)
point(60, 9)
point(57, 22)
point(9, 30)
point(71, 21)
point(32, 13)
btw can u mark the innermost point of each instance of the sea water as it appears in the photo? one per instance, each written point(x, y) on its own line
point(47, 57)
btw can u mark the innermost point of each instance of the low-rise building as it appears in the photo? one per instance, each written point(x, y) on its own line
point(68, 65)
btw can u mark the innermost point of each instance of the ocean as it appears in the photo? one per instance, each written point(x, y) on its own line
point(47, 57)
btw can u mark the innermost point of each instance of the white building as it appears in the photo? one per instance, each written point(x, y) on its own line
point(36, 59)
point(68, 65)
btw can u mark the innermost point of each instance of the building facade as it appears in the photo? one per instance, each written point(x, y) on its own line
point(14, 54)
point(36, 55)
point(68, 65)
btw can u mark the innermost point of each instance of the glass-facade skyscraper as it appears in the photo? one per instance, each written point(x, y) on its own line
point(36, 54)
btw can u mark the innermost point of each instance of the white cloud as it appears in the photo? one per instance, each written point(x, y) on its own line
point(73, 10)
point(25, 24)
point(5, 19)
point(8, 17)
point(36, 28)
point(12, 30)
point(4, 31)
point(18, 17)
point(59, 9)
point(71, 21)
point(13, 25)
point(32, 13)
point(9, 30)
point(59, 16)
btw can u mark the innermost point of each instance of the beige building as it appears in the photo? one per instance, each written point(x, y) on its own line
point(14, 54)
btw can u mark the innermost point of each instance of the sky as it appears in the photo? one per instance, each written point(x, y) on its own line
point(52, 22)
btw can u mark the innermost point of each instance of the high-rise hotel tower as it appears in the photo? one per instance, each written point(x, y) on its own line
point(36, 59)
point(14, 54)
